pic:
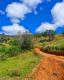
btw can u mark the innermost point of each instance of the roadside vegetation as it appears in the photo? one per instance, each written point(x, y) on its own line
point(18, 66)
point(55, 47)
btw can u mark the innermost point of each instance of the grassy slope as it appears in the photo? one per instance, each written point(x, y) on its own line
point(55, 46)
point(22, 63)
point(59, 41)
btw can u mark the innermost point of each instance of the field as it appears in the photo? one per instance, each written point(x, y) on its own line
point(18, 66)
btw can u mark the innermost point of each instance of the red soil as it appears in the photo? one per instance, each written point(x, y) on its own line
point(51, 67)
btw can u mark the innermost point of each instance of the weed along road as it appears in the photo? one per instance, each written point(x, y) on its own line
point(51, 67)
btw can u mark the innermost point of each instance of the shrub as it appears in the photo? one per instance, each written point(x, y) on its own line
point(26, 45)
point(14, 73)
point(58, 50)
point(12, 51)
point(25, 41)
point(13, 42)
point(9, 50)
point(2, 57)
point(50, 34)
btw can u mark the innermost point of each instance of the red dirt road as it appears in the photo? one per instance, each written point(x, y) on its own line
point(51, 67)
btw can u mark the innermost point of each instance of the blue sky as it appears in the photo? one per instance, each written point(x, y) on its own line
point(32, 15)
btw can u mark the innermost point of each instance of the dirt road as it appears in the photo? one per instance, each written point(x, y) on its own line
point(51, 67)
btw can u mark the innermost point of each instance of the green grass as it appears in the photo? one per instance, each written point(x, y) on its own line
point(58, 42)
point(56, 46)
point(21, 64)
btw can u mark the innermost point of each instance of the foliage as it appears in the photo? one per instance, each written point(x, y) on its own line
point(18, 66)
point(50, 33)
point(25, 41)
point(14, 73)
point(12, 51)
point(2, 57)
point(56, 47)
point(8, 50)
point(37, 35)
point(12, 42)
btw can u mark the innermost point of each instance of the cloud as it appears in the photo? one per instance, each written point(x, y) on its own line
point(2, 12)
point(15, 20)
point(13, 29)
point(32, 3)
point(58, 14)
point(17, 11)
point(45, 26)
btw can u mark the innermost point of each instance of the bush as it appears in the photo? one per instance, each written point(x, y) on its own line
point(13, 42)
point(26, 45)
point(25, 41)
point(12, 51)
point(14, 73)
point(9, 50)
point(58, 50)
point(2, 57)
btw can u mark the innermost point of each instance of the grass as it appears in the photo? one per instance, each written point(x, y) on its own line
point(19, 65)
point(56, 46)
point(59, 41)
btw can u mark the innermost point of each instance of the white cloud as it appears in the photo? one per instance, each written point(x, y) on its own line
point(32, 3)
point(2, 12)
point(15, 20)
point(17, 10)
point(45, 26)
point(58, 14)
point(14, 29)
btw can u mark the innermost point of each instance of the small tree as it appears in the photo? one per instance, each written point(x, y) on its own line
point(25, 40)
point(50, 34)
